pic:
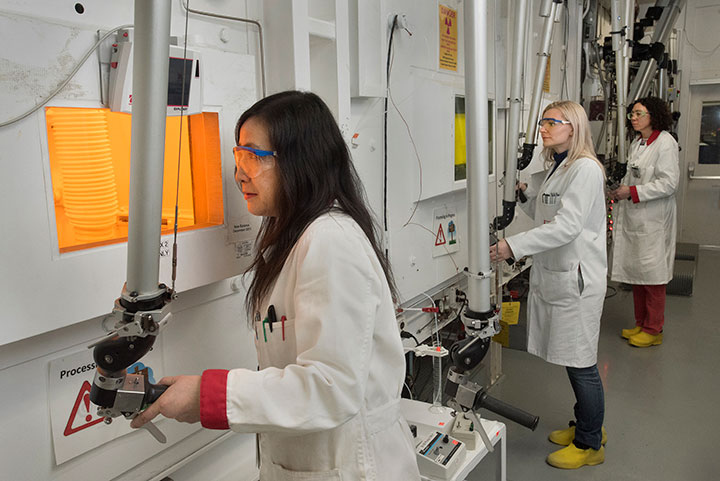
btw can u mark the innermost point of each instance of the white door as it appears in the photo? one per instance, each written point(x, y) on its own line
point(700, 216)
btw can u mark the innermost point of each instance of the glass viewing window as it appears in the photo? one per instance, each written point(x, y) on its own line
point(89, 151)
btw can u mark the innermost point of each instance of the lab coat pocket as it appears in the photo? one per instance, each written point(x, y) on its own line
point(558, 287)
point(281, 474)
point(276, 347)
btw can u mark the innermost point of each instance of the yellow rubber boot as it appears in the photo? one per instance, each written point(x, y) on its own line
point(572, 457)
point(643, 339)
point(628, 333)
point(564, 437)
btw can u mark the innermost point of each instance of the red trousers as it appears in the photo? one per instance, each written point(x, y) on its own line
point(649, 307)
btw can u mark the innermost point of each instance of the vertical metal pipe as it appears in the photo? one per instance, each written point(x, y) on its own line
point(150, 89)
point(629, 18)
point(476, 114)
point(516, 101)
point(619, 48)
point(544, 53)
point(662, 83)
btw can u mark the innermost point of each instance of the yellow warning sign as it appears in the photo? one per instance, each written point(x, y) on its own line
point(510, 312)
point(448, 38)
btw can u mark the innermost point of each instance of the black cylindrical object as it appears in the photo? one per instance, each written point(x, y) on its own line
point(527, 155)
point(497, 406)
point(153, 391)
point(507, 216)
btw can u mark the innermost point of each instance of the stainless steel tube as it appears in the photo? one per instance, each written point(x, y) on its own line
point(619, 48)
point(476, 111)
point(150, 89)
point(629, 20)
point(544, 53)
point(516, 101)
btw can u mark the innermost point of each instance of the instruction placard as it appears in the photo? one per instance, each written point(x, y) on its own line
point(448, 38)
point(76, 427)
point(510, 312)
point(445, 229)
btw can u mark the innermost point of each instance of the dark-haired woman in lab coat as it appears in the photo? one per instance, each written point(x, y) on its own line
point(645, 220)
point(325, 400)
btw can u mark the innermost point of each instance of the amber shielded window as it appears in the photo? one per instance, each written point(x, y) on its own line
point(90, 169)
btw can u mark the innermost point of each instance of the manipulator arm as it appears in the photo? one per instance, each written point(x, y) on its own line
point(137, 324)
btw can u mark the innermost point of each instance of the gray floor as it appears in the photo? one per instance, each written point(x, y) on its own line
point(662, 403)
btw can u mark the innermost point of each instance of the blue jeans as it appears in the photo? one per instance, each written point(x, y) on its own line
point(589, 405)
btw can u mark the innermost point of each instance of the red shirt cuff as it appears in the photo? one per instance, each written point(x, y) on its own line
point(634, 194)
point(213, 399)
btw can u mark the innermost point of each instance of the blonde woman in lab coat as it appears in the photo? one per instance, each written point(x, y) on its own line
point(325, 400)
point(568, 275)
point(645, 219)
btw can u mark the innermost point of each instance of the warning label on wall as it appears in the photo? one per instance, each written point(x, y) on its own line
point(448, 54)
point(445, 230)
point(76, 427)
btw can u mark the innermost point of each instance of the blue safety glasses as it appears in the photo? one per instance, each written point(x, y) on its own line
point(253, 162)
point(549, 122)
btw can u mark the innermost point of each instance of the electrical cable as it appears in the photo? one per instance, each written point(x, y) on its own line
point(450, 254)
point(385, 130)
point(409, 391)
point(702, 52)
point(177, 185)
point(185, 4)
point(67, 80)
point(564, 86)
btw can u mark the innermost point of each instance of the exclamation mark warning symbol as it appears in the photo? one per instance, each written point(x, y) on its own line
point(86, 398)
point(80, 420)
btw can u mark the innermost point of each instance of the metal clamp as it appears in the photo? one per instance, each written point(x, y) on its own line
point(482, 328)
point(479, 275)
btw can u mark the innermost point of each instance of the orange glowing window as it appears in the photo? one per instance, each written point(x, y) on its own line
point(90, 168)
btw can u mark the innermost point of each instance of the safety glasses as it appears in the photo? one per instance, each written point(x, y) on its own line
point(549, 122)
point(253, 162)
point(636, 113)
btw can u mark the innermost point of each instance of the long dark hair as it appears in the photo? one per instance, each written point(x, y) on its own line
point(315, 171)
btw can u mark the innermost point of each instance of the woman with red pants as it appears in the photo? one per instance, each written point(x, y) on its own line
point(645, 226)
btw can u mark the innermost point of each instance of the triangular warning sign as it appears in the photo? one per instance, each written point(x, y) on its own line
point(87, 420)
point(440, 238)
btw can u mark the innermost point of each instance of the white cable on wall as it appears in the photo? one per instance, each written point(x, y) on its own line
point(65, 82)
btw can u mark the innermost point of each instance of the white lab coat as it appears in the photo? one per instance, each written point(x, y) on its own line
point(568, 275)
point(326, 399)
point(644, 234)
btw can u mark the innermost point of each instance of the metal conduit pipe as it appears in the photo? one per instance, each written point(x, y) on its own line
point(629, 18)
point(550, 10)
point(646, 73)
point(618, 32)
point(662, 80)
point(239, 19)
point(514, 117)
point(150, 83)
point(476, 114)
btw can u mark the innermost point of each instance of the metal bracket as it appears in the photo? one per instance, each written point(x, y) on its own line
point(479, 275)
point(482, 328)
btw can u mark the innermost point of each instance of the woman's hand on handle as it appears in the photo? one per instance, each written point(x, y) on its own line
point(500, 251)
point(181, 401)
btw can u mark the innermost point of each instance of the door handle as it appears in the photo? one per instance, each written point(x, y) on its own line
point(692, 176)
